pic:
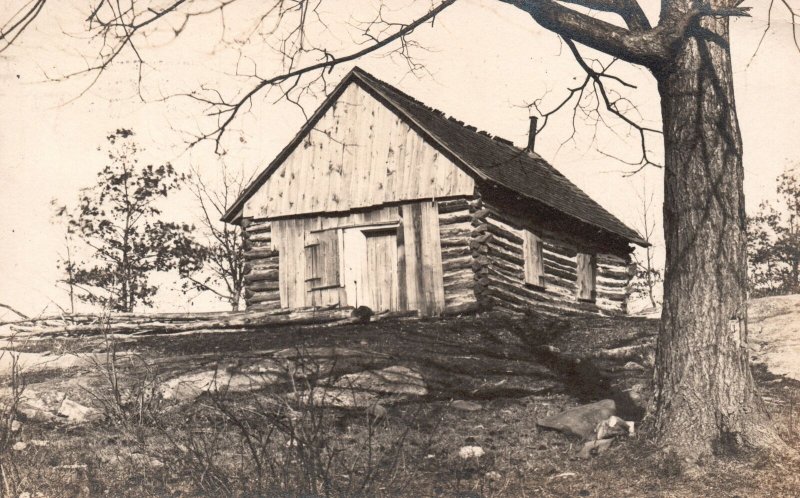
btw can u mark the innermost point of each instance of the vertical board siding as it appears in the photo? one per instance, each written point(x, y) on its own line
point(586, 276)
point(292, 235)
point(412, 251)
point(382, 271)
point(534, 259)
point(423, 257)
point(359, 154)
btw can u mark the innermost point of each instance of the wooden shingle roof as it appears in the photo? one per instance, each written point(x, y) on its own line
point(490, 159)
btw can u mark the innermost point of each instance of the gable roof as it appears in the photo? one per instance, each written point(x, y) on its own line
point(490, 159)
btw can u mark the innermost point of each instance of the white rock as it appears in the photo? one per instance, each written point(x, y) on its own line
point(597, 447)
point(493, 475)
point(15, 426)
point(77, 413)
point(467, 452)
point(19, 446)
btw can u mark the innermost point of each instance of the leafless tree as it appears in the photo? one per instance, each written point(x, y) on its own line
point(222, 250)
point(704, 330)
point(647, 274)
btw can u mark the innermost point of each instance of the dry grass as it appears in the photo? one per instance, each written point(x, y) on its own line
point(246, 444)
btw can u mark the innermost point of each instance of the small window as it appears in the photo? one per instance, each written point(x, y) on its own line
point(586, 277)
point(322, 260)
point(534, 261)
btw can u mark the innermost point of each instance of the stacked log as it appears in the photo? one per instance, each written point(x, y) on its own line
point(612, 283)
point(497, 247)
point(481, 263)
point(172, 323)
point(459, 280)
point(262, 287)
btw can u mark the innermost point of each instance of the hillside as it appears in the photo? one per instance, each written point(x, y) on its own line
point(381, 409)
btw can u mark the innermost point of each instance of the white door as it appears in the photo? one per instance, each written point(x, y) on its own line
point(370, 267)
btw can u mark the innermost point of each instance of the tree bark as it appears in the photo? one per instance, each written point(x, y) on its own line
point(705, 397)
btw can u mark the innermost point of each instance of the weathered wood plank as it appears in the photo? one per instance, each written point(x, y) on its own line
point(359, 154)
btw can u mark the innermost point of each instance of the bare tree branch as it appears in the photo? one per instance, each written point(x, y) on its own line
point(15, 311)
point(19, 22)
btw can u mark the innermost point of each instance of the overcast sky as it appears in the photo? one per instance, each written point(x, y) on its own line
point(485, 61)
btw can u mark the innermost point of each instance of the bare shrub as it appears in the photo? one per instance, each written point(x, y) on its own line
point(9, 401)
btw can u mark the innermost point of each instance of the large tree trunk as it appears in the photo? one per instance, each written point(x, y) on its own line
point(705, 397)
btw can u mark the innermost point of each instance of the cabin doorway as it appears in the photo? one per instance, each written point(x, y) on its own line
point(370, 257)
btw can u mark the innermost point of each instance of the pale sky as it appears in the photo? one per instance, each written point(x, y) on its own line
point(486, 61)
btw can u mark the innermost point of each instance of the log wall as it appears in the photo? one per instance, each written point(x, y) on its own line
point(455, 230)
point(499, 264)
point(453, 256)
point(260, 267)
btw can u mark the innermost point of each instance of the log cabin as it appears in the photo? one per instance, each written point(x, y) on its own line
point(384, 202)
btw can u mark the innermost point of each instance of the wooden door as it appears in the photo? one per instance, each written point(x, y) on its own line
point(380, 278)
point(370, 267)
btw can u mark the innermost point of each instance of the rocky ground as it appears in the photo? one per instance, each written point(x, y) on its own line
point(405, 407)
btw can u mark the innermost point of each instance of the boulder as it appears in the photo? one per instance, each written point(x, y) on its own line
point(582, 420)
point(614, 427)
point(40, 406)
point(595, 447)
point(632, 365)
point(365, 389)
point(466, 406)
point(76, 413)
point(189, 386)
point(396, 380)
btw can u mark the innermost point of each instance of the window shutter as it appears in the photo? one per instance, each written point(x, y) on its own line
point(322, 260)
point(329, 257)
point(586, 277)
point(534, 260)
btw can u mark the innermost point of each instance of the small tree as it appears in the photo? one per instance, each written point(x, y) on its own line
point(773, 240)
point(647, 276)
point(118, 221)
point(220, 255)
point(764, 275)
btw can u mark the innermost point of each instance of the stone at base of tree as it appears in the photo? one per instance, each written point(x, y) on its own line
point(632, 365)
point(614, 427)
point(637, 393)
point(595, 447)
point(466, 406)
point(582, 420)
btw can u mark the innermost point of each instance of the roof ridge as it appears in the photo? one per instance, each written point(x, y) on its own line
point(437, 111)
